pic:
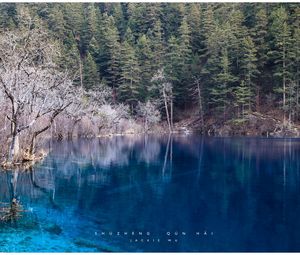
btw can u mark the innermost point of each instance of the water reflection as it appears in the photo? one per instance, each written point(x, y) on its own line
point(244, 190)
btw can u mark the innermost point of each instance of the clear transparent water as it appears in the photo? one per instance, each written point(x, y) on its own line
point(219, 194)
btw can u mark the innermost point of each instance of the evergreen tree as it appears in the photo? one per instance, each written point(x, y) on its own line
point(108, 57)
point(194, 22)
point(119, 17)
point(260, 33)
point(173, 60)
point(56, 21)
point(185, 43)
point(185, 53)
point(260, 38)
point(281, 52)
point(221, 92)
point(129, 37)
point(207, 29)
point(88, 27)
point(220, 47)
point(157, 45)
point(145, 58)
point(90, 73)
point(128, 90)
point(243, 95)
point(296, 59)
point(237, 34)
point(8, 17)
point(249, 65)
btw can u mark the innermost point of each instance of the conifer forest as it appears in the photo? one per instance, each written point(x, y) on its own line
point(210, 63)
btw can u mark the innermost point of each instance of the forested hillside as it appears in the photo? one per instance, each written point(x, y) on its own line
point(225, 59)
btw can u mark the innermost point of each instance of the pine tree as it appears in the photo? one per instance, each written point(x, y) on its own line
point(56, 21)
point(296, 59)
point(128, 90)
point(207, 29)
point(145, 58)
point(108, 57)
point(185, 53)
point(220, 93)
point(8, 17)
point(194, 21)
point(157, 45)
point(119, 17)
point(74, 18)
point(237, 35)
point(243, 95)
point(171, 18)
point(249, 65)
point(129, 37)
point(259, 35)
point(185, 43)
point(90, 73)
point(173, 60)
point(281, 52)
point(88, 27)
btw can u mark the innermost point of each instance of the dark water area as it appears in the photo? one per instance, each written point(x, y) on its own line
point(180, 193)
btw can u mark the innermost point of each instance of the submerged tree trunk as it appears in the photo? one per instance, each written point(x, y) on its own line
point(166, 156)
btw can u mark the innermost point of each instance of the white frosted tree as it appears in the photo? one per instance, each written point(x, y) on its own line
point(149, 112)
point(165, 89)
point(35, 90)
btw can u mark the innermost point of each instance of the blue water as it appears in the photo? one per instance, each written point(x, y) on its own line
point(180, 193)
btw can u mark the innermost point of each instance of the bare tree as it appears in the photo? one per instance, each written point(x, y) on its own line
point(34, 87)
point(165, 89)
point(149, 112)
point(196, 92)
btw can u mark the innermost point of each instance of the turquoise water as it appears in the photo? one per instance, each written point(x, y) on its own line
point(180, 193)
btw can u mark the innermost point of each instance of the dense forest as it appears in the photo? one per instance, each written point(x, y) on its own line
point(223, 59)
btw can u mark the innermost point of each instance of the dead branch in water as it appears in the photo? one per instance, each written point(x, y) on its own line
point(12, 212)
point(25, 161)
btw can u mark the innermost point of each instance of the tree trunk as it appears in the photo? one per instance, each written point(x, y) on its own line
point(167, 111)
point(146, 124)
point(257, 99)
point(81, 75)
point(14, 148)
point(166, 156)
point(172, 126)
point(200, 104)
point(73, 128)
point(32, 144)
point(284, 86)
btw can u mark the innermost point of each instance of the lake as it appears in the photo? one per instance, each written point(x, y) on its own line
point(150, 193)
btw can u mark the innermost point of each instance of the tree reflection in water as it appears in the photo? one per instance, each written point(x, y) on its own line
point(165, 183)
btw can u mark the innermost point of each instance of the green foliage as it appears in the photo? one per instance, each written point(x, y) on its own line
point(220, 94)
point(90, 73)
point(249, 65)
point(243, 95)
point(233, 49)
point(130, 75)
